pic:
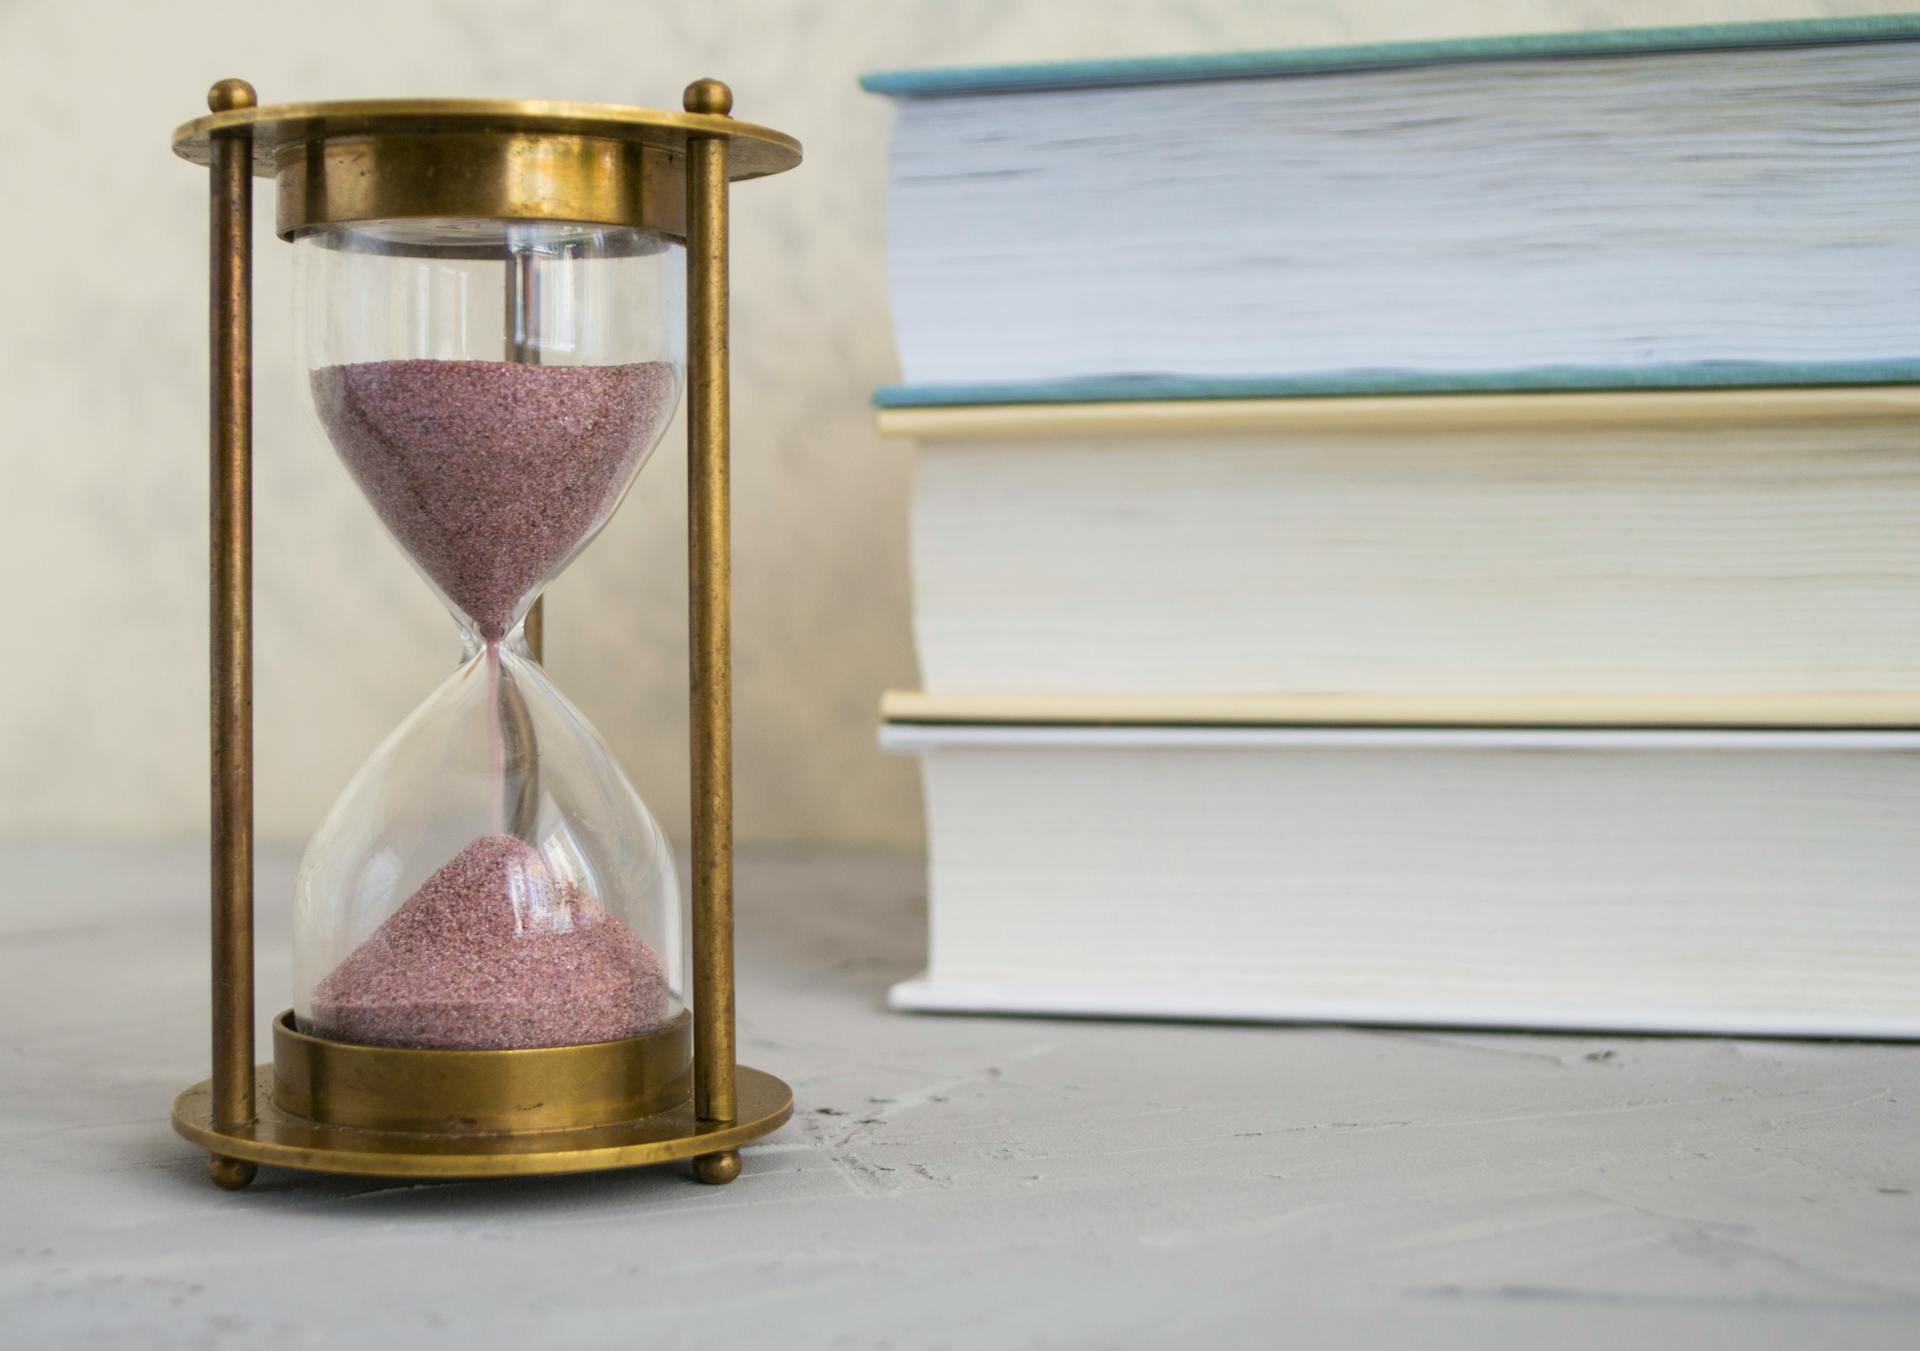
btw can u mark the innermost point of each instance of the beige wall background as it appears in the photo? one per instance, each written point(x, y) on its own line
point(102, 378)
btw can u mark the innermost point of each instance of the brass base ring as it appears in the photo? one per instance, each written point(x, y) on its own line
point(281, 1139)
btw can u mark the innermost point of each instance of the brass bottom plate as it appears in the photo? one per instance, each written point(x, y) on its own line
point(277, 1138)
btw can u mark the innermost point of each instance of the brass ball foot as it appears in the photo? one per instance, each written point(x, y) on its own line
point(717, 1169)
point(230, 1174)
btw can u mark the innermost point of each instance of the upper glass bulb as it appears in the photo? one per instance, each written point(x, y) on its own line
point(493, 387)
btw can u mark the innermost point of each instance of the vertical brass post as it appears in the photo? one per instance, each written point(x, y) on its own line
point(710, 582)
point(536, 626)
point(231, 655)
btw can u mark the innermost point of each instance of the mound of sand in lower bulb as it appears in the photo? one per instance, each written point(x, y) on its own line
point(494, 951)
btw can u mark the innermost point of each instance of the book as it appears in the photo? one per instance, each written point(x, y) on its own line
point(1704, 557)
point(1735, 205)
point(1758, 883)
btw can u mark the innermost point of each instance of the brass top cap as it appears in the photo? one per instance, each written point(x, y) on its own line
point(227, 95)
point(753, 151)
point(708, 96)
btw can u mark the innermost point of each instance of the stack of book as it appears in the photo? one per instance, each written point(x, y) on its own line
point(1420, 534)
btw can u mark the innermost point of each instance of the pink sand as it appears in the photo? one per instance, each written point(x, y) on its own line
point(491, 473)
point(494, 951)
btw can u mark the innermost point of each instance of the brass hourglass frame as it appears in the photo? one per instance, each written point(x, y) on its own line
point(372, 1111)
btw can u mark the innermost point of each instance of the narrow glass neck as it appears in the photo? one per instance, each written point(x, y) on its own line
point(473, 644)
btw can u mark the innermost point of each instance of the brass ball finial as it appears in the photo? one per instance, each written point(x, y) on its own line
point(230, 1174)
point(708, 96)
point(716, 1170)
point(226, 95)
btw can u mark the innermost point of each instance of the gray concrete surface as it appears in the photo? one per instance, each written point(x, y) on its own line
point(960, 1183)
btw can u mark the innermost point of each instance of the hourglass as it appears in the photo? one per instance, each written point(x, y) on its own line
point(498, 305)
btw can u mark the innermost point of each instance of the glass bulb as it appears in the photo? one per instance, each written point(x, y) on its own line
point(489, 878)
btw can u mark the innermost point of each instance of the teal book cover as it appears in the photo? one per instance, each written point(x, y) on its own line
point(1007, 79)
point(1363, 384)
